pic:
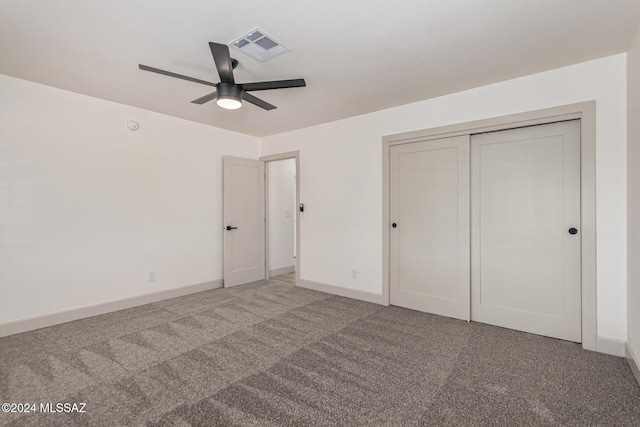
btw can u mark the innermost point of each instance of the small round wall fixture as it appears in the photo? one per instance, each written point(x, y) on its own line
point(133, 125)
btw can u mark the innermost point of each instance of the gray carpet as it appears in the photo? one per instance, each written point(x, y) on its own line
point(271, 354)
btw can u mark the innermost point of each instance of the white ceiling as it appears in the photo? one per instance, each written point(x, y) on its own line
point(357, 56)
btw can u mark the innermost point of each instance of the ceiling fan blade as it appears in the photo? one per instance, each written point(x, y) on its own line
point(276, 84)
point(206, 98)
point(170, 74)
point(257, 101)
point(222, 59)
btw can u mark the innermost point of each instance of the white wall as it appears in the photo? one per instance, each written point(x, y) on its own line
point(88, 208)
point(341, 175)
point(281, 199)
point(633, 193)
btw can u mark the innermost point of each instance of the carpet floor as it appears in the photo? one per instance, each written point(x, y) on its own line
point(271, 354)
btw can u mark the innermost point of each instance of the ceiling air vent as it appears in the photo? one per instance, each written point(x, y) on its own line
point(259, 45)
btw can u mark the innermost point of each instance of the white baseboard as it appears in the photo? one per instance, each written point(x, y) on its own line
point(634, 362)
point(610, 346)
point(341, 291)
point(283, 270)
point(29, 324)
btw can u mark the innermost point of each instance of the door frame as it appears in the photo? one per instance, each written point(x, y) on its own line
point(586, 112)
point(273, 158)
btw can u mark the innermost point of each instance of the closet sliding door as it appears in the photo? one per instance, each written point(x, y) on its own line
point(429, 229)
point(525, 211)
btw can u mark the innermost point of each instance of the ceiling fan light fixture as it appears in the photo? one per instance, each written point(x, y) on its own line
point(229, 103)
point(229, 96)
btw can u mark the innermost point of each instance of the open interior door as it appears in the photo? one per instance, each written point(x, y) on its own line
point(244, 220)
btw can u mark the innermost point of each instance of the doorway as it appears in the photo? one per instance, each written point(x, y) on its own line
point(246, 200)
point(283, 213)
point(281, 219)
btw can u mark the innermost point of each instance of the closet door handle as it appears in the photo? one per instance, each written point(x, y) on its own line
point(394, 225)
point(573, 230)
point(231, 228)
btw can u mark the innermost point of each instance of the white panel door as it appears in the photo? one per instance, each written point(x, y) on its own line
point(244, 221)
point(525, 199)
point(429, 194)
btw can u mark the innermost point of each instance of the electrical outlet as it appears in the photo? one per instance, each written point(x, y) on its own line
point(354, 274)
point(151, 276)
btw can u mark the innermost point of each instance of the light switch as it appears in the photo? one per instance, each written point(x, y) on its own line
point(287, 213)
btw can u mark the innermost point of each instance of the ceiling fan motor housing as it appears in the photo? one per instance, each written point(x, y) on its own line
point(229, 91)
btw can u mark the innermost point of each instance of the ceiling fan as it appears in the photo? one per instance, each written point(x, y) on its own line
point(228, 93)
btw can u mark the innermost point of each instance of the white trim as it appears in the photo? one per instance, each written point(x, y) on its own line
point(283, 270)
point(586, 111)
point(31, 323)
point(340, 291)
point(610, 346)
point(634, 363)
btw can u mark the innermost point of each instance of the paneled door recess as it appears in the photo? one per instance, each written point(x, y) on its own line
point(429, 229)
point(244, 221)
point(525, 229)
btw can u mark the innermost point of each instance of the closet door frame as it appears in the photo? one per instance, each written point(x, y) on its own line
point(586, 112)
